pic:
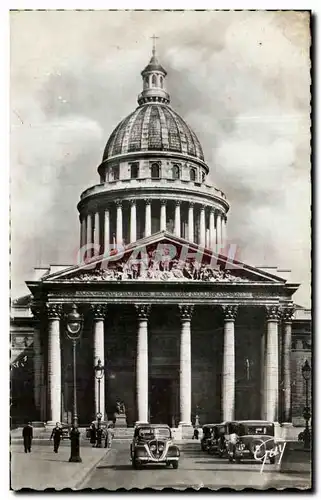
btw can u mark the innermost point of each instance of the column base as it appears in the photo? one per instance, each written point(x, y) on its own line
point(138, 422)
point(186, 430)
point(51, 423)
point(286, 431)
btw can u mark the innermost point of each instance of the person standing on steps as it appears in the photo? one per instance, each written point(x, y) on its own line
point(56, 435)
point(27, 434)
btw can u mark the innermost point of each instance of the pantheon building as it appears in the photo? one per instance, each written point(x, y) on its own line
point(181, 327)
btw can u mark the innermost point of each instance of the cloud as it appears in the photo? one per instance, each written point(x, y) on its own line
point(240, 79)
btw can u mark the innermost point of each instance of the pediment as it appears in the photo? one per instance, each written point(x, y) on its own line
point(163, 257)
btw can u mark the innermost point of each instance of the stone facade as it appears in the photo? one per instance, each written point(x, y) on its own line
point(178, 324)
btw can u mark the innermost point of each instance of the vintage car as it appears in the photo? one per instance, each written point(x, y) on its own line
point(207, 436)
point(217, 442)
point(254, 439)
point(153, 444)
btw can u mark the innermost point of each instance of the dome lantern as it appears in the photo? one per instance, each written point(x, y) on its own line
point(153, 81)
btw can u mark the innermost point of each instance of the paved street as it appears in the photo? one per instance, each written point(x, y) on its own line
point(196, 469)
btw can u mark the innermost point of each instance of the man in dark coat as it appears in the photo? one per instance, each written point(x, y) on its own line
point(56, 435)
point(27, 434)
point(93, 434)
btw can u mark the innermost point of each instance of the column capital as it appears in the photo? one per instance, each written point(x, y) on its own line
point(54, 311)
point(272, 313)
point(212, 210)
point(178, 202)
point(202, 206)
point(186, 312)
point(119, 203)
point(148, 201)
point(191, 204)
point(163, 202)
point(132, 202)
point(98, 311)
point(143, 310)
point(229, 312)
point(287, 314)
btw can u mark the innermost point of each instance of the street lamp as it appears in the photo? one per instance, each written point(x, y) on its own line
point(74, 327)
point(99, 373)
point(306, 374)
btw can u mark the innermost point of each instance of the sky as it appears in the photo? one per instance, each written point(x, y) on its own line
point(241, 80)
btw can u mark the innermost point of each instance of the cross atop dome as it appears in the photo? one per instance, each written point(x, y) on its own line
point(154, 38)
point(153, 80)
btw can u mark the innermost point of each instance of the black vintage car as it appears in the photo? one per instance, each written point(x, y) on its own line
point(217, 443)
point(254, 439)
point(208, 430)
point(153, 444)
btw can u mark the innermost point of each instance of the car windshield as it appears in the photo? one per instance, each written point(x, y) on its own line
point(256, 429)
point(154, 433)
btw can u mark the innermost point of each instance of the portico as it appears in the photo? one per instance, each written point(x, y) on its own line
point(212, 344)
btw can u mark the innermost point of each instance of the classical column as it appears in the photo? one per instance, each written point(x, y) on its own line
point(185, 371)
point(287, 315)
point(148, 218)
point(143, 311)
point(212, 230)
point(37, 358)
point(96, 234)
point(54, 363)
point(177, 226)
point(133, 228)
point(263, 374)
point(218, 231)
point(163, 216)
point(119, 222)
point(191, 222)
point(202, 226)
point(99, 313)
point(228, 369)
point(83, 231)
point(106, 230)
point(89, 241)
point(223, 231)
point(271, 364)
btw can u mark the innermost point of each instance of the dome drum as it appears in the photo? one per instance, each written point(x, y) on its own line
point(125, 219)
point(157, 167)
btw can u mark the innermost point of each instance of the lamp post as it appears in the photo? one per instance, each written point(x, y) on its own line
point(74, 328)
point(99, 373)
point(306, 373)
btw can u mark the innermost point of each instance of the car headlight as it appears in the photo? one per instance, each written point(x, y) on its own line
point(161, 447)
point(153, 447)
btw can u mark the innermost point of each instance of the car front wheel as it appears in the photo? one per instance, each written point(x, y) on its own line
point(175, 464)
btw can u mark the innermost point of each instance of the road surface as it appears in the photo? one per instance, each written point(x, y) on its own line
point(196, 469)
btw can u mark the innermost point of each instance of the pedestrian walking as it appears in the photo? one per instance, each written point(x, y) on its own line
point(56, 435)
point(93, 434)
point(27, 434)
point(109, 436)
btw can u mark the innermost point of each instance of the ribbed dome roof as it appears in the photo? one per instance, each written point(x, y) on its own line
point(153, 127)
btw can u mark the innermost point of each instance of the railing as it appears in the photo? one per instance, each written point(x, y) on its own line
point(153, 183)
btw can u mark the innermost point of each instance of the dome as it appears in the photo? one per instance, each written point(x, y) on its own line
point(153, 127)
